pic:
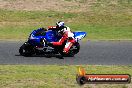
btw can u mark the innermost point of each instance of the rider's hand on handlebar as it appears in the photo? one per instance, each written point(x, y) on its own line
point(47, 43)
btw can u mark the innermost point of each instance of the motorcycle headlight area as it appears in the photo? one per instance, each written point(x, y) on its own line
point(32, 37)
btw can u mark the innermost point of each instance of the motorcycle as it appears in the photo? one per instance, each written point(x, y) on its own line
point(36, 44)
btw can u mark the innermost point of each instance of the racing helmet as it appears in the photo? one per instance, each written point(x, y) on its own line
point(60, 27)
point(60, 24)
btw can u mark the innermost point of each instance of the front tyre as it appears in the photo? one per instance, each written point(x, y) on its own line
point(26, 50)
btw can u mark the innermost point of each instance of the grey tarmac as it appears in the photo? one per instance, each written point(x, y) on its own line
point(91, 53)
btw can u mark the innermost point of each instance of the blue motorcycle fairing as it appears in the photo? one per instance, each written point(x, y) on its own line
point(50, 36)
point(79, 35)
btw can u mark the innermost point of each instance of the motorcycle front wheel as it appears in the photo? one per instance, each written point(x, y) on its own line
point(26, 50)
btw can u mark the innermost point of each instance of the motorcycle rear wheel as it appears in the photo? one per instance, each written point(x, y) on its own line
point(73, 50)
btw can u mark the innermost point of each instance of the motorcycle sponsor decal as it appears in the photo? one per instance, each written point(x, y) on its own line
point(79, 37)
point(83, 78)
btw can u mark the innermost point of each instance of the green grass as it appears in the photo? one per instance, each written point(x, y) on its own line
point(108, 19)
point(49, 76)
point(29, 16)
point(106, 32)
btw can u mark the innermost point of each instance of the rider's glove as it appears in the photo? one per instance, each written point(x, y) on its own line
point(49, 43)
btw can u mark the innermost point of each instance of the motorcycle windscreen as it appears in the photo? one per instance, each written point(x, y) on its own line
point(79, 35)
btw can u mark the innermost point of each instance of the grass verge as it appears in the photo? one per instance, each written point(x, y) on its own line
point(49, 76)
point(98, 25)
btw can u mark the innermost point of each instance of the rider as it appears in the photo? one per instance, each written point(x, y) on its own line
point(66, 35)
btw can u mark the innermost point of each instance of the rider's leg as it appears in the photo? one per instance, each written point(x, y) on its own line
point(68, 46)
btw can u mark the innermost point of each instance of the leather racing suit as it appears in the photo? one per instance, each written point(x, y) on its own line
point(66, 35)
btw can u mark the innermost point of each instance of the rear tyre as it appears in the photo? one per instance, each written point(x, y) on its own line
point(73, 50)
point(26, 50)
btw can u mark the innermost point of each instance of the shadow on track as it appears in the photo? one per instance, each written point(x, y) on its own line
point(46, 55)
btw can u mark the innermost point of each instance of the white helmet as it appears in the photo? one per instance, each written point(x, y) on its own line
point(60, 24)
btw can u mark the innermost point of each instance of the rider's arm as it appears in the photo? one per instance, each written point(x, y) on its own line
point(64, 37)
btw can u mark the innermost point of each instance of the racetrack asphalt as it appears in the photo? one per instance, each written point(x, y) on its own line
point(91, 53)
